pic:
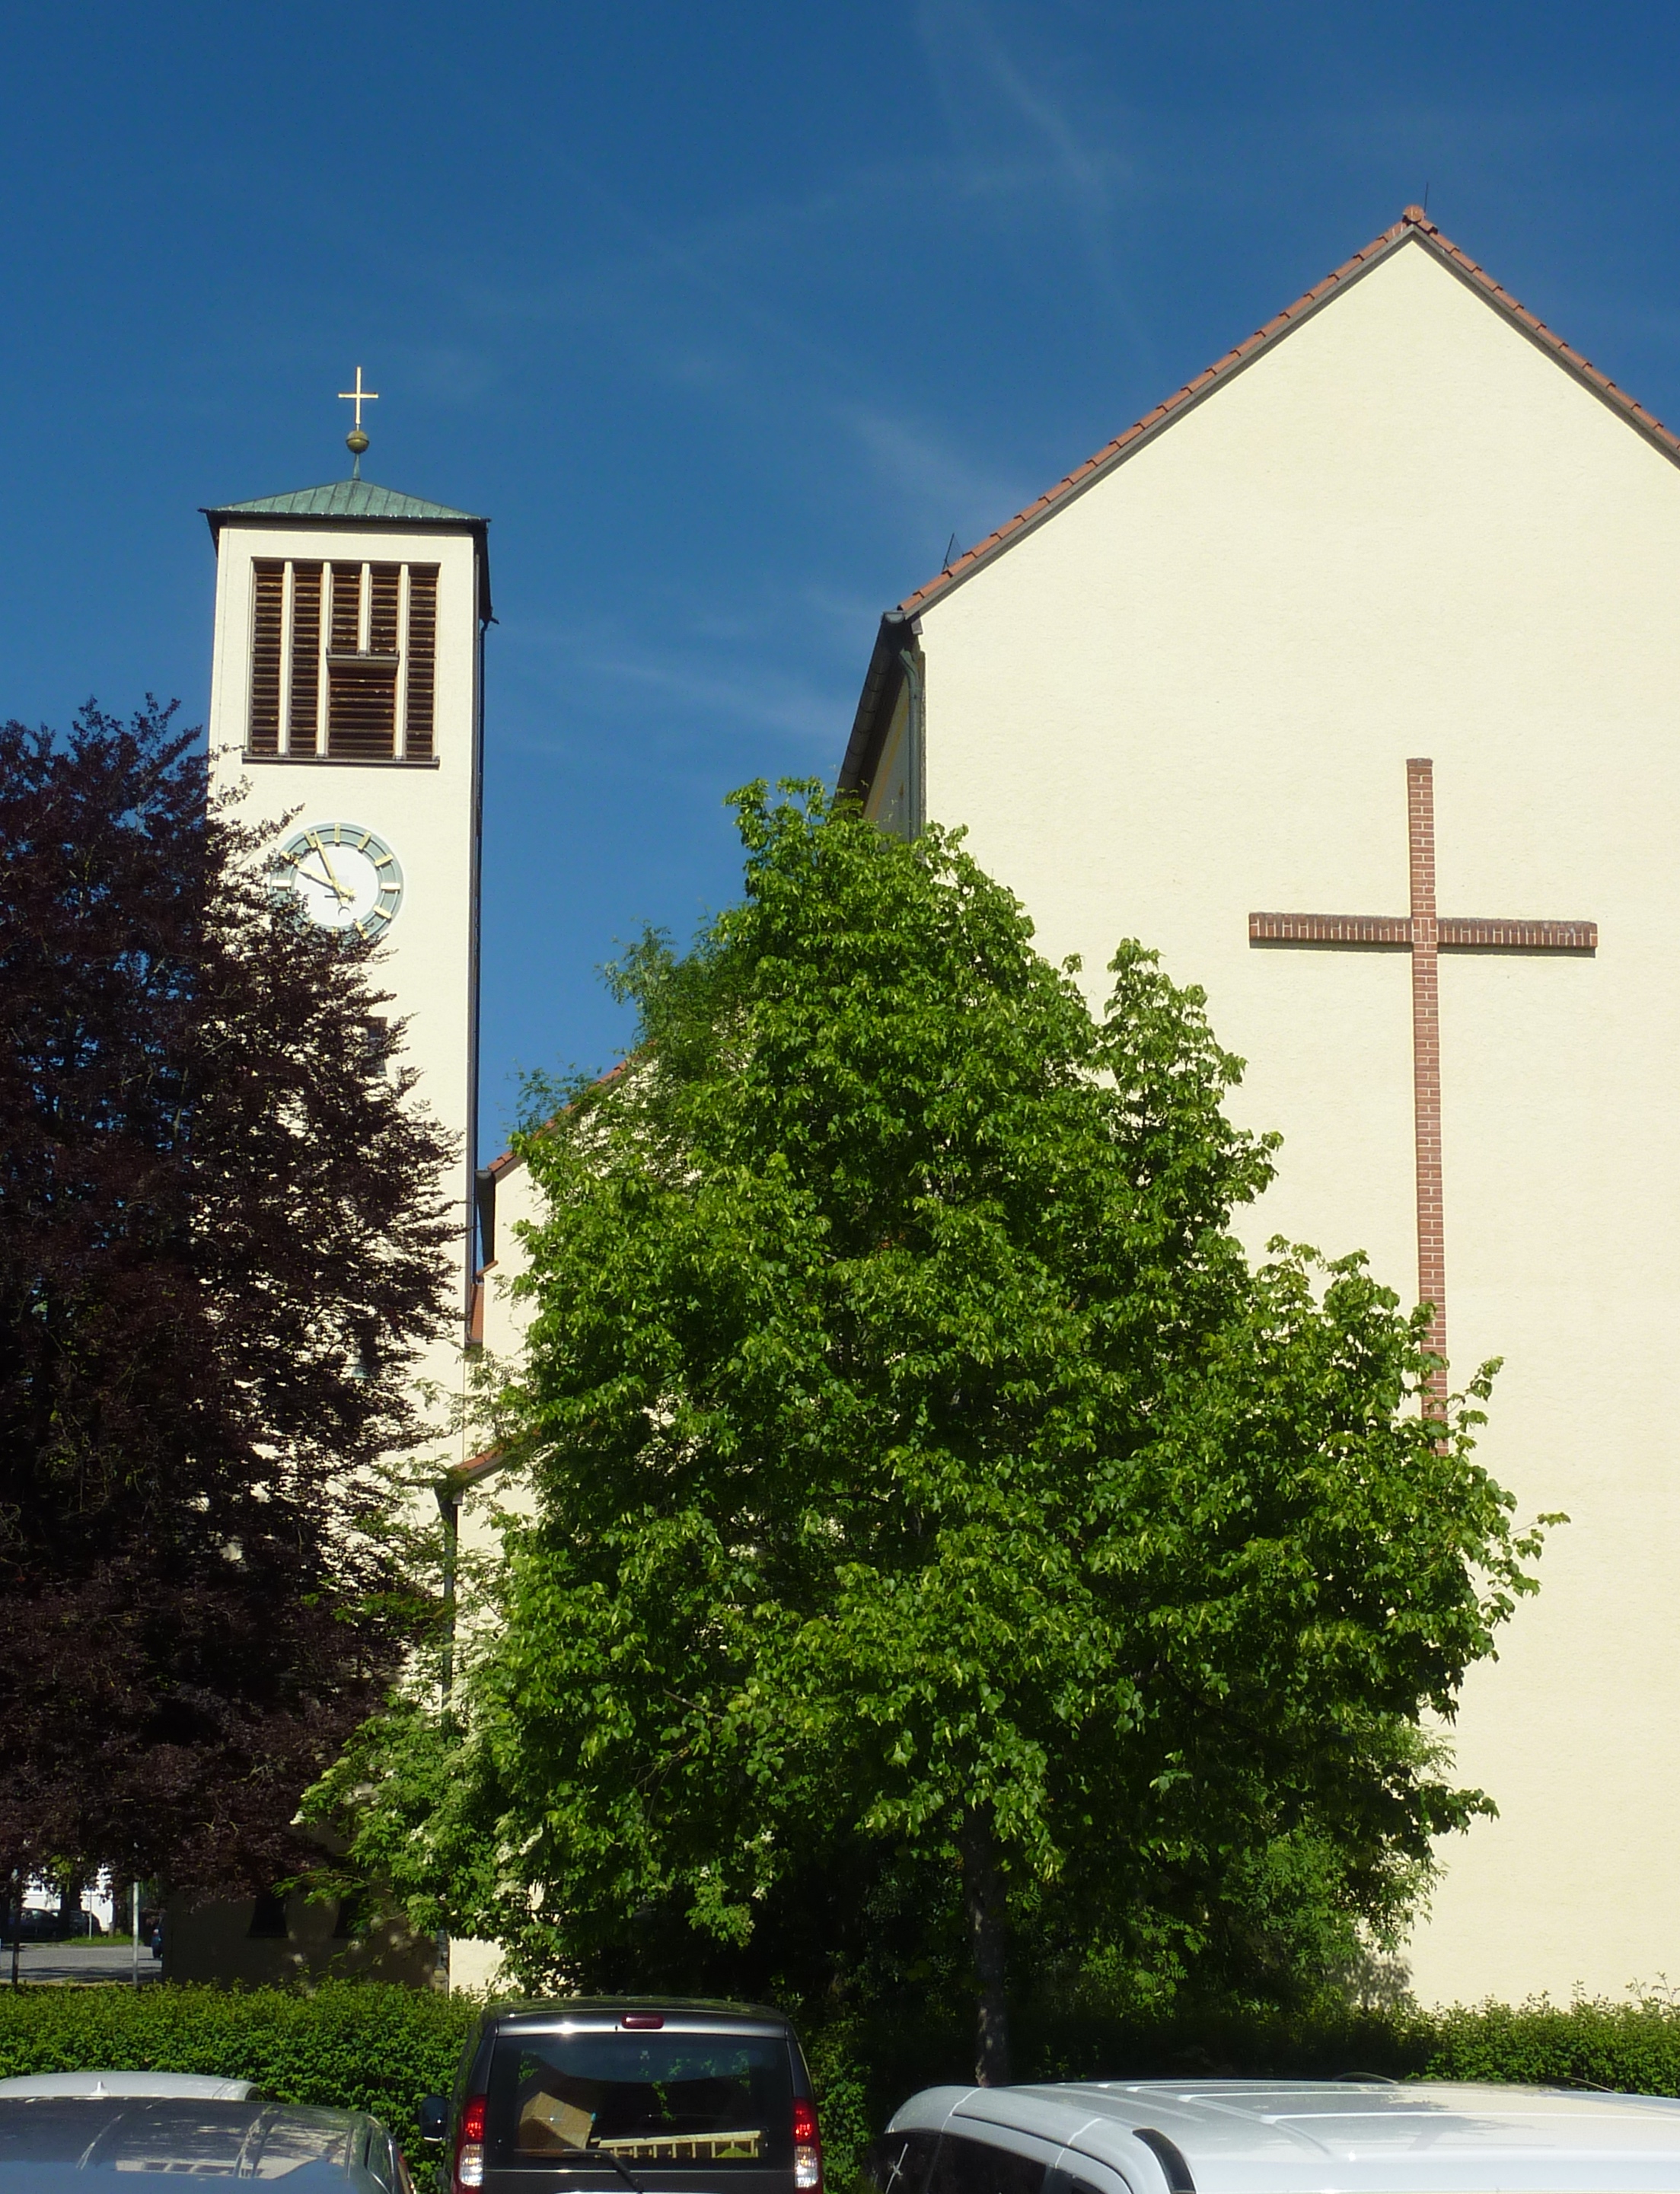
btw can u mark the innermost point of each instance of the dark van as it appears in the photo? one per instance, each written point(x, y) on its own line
point(596, 2096)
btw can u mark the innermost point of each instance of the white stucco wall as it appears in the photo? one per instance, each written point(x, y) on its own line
point(517, 1202)
point(475, 1964)
point(1404, 530)
point(427, 814)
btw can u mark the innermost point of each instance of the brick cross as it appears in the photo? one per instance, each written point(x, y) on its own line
point(1425, 934)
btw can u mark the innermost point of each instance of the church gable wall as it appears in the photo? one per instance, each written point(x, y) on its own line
point(1404, 529)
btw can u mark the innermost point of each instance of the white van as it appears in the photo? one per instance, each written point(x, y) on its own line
point(1362, 2136)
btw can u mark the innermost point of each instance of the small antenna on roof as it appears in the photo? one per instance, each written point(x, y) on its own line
point(950, 551)
point(1425, 198)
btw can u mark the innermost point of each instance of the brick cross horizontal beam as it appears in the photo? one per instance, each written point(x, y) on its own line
point(1393, 932)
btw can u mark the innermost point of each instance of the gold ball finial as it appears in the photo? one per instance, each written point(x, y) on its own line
point(355, 441)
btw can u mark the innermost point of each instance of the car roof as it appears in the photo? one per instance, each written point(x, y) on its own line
point(43, 2136)
point(205, 2085)
point(605, 2014)
point(1329, 2136)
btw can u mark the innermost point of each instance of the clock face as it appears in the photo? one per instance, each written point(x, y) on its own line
point(345, 877)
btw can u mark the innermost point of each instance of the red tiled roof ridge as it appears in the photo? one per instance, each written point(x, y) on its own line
point(460, 1477)
point(1413, 221)
point(510, 1158)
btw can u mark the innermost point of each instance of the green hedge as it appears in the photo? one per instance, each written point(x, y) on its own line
point(1634, 2047)
point(369, 2046)
point(359, 2044)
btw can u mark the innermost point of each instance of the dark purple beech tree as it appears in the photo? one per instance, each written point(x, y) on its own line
point(221, 1241)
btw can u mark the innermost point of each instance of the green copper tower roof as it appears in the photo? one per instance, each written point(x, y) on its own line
point(351, 498)
point(359, 502)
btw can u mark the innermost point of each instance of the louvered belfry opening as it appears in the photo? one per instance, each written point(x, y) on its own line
point(422, 659)
point(267, 624)
point(361, 672)
point(361, 711)
point(347, 609)
point(343, 660)
point(385, 589)
point(303, 717)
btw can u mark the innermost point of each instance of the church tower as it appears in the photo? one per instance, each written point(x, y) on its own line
point(346, 691)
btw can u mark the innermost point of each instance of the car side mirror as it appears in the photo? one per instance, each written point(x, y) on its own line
point(434, 2117)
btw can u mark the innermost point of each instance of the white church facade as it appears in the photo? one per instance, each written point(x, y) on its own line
point(1349, 679)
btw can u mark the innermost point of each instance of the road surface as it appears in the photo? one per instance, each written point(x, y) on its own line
point(80, 1962)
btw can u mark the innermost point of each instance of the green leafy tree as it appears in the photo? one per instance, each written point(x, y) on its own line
point(943, 1532)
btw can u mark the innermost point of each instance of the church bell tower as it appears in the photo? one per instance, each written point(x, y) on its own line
point(346, 691)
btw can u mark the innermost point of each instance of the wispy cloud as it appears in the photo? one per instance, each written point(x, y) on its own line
point(770, 699)
point(1022, 122)
point(931, 481)
point(962, 42)
point(699, 678)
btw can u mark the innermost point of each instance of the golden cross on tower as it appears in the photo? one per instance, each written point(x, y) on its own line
point(356, 441)
point(358, 396)
point(1424, 934)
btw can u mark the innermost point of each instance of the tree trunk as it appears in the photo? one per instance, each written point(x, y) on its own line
point(71, 1916)
point(982, 1896)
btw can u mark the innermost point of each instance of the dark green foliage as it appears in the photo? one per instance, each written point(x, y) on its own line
point(1628, 2047)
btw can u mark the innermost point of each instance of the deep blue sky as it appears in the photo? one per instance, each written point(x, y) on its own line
point(729, 315)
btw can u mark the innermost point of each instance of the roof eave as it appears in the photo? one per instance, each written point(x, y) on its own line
point(268, 521)
point(1413, 226)
point(879, 692)
point(875, 704)
point(1143, 431)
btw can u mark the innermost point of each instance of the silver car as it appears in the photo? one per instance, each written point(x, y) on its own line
point(200, 2086)
point(1359, 2136)
point(55, 2141)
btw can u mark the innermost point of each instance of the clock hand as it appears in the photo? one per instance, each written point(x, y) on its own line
point(326, 882)
point(344, 898)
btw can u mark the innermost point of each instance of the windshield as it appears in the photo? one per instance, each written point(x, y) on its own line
point(719, 2100)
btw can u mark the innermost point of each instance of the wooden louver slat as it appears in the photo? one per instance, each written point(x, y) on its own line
point(361, 711)
point(384, 595)
point(422, 660)
point(347, 609)
point(267, 613)
point(306, 698)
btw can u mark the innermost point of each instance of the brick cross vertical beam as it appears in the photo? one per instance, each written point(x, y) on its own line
point(1426, 1062)
point(1425, 935)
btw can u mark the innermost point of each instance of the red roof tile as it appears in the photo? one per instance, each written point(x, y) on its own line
point(509, 1159)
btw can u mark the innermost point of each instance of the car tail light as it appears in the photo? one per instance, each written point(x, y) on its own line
point(807, 2147)
point(469, 2144)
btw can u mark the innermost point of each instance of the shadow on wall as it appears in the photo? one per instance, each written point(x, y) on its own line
point(271, 1941)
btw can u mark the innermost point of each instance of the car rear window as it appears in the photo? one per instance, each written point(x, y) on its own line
point(720, 2100)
